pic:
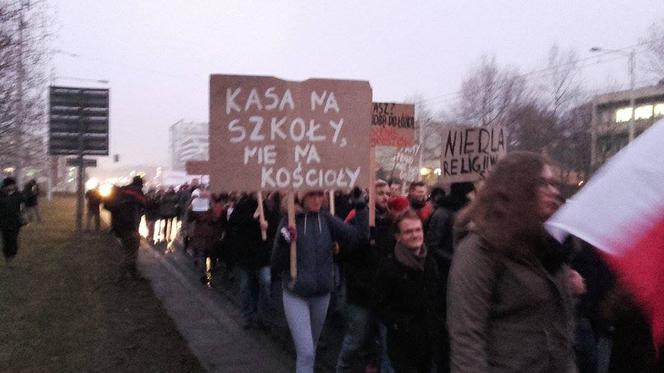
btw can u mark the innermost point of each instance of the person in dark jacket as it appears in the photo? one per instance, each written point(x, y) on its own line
point(127, 208)
point(93, 202)
point(359, 268)
point(31, 201)
point(243, 235)
point(10, 219)
point(591, 326)
point(169, 206)
point(151, 211)
point(410, 298)
point(306, 295)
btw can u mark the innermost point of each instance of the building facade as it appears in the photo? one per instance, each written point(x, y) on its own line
point(615, 122)
point(188, 141)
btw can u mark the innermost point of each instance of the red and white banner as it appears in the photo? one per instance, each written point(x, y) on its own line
point(621, 212)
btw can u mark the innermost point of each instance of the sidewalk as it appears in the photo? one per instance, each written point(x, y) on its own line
point(208, 322)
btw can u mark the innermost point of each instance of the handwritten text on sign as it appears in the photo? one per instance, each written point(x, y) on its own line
point(268, 134)
point(403, 163)
point(470, 152)
point(393, 124)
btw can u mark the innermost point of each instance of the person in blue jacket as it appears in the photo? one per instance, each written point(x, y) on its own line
point(306, 297)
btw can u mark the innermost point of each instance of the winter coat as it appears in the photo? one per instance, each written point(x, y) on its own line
point(507, 313)
point(411, 305)
point(31, 195)
point(206, 232)
point(152, 207)
point(127, 209)
point(359, 264)
point(10, 211)
point(243, 236)
point(168, 205)
point(438, 236)
point(316, 234)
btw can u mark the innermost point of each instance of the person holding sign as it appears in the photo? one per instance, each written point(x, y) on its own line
point(306, 298)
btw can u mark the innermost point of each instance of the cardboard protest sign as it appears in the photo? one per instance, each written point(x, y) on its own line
point(272, 134)
point(393, 124)
point(197, 167)
point(468, 153)
point(404, 167)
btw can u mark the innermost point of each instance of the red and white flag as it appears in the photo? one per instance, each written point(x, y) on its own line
point(621, 212)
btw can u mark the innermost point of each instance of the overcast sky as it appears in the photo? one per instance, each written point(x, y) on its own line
point(158, 55)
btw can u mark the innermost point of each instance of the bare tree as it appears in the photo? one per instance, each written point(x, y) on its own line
point(561, 88)
point(654, 54)
point(489, 93)
point(23, 55)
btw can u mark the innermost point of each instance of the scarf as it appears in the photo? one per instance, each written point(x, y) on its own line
point(411, 259)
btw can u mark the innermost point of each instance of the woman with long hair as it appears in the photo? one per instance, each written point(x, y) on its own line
point(509, 291)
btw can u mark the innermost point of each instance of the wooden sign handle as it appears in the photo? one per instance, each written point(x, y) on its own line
point(372, 186)
point(293, 245)
point(261, 216)
point(333, 211)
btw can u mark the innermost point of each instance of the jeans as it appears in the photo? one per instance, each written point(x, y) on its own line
point(585, 347)
point(385, 364)
point(255, 286)
point(305, 317)
point(359, 324)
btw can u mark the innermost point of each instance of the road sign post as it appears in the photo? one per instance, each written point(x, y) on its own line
point(78, 125)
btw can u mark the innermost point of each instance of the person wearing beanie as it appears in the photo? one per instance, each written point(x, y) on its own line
point(10, 219)
point(397, 205)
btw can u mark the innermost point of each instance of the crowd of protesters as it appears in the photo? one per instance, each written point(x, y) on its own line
point(461, 279)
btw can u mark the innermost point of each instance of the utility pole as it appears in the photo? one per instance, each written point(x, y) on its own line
point(632, 103)
point(20, 122)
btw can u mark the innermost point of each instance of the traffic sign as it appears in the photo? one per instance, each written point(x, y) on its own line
point(78, 121)
point(74, 162)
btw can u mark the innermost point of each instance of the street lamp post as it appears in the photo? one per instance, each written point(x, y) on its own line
point(631, 61)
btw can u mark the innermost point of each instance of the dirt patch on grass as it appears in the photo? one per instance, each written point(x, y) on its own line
point(62, 310)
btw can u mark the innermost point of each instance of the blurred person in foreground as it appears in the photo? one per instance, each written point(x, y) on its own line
point(31, 201)
point(126, 206)
point(11, 220)
point(509, 305)
point(93, 203)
